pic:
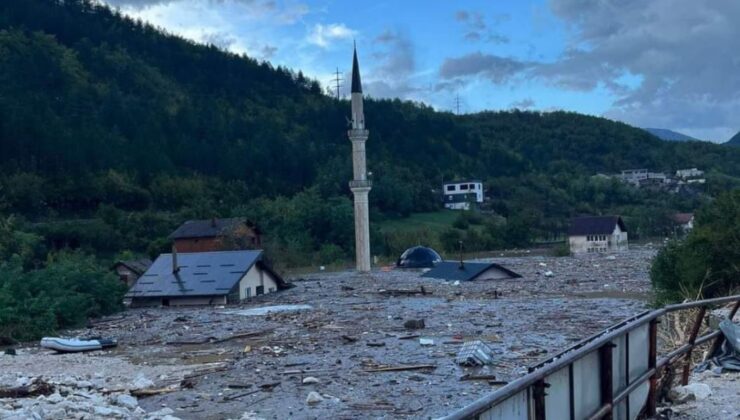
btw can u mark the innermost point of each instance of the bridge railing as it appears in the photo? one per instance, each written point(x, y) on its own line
point(610, 375)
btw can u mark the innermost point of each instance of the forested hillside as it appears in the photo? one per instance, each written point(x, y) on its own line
point(112, 133)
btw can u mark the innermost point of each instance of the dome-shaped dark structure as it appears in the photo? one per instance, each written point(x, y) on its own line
point(419, 257)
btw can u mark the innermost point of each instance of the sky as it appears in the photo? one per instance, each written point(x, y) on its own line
point(661, 63)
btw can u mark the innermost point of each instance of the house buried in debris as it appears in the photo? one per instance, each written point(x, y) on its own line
point(469, 271)
point(216, 235)
point(205, 278)
point(130, 270)
point(597, 234)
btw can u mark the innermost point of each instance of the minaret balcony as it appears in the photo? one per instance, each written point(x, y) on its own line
point(360, 184)
point(357, 133)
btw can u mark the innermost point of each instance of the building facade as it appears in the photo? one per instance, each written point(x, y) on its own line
point(216, 235)
point(129, 271)
point(597, 234)
point(462, 195)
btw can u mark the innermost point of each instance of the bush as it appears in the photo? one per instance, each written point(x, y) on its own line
point(561, 250)
point(704, 264)
point(69, 290)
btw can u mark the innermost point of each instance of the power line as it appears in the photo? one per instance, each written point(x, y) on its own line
point(337, 82)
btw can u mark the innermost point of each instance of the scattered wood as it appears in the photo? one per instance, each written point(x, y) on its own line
point(401, 368)
point(241, 335)
point(239, 386)
point(471, 377)
point(409, 337)
point(404, 292)
point(376, 344)
point(214, 340)
point(414, 324)
point(237, 396)
point(188, 383)
point(37, 387)
point(349, 339)
point(269, 386)
point(149, 392)
point(348, 288)
point(296, 364)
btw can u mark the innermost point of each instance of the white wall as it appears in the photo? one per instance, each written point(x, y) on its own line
point(617, 241)
point(256, 277)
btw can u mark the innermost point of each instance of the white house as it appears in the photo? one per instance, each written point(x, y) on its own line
point(205, 278)
point(460, 195)
point(689, 173)
point(597, 234)
point(684, 221)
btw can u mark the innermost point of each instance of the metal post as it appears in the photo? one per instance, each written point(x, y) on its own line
point(607, 381)
point(692, 340)
point(538, 394)
point(719, 340)
point(652, 359)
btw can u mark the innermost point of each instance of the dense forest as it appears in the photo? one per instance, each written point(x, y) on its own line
point(112, 133)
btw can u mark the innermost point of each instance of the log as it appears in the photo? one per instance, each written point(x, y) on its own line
point(401, 368)
point(36, 388)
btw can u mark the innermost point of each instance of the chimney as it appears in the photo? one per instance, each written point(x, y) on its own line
point(462, 264)
point(175, 267)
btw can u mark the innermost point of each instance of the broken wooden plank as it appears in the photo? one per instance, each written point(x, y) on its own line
point(34, 389)
point(401, 368)
point(470, 377)
point(149, 392)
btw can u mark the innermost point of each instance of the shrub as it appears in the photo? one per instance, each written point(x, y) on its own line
point(69, 290)
point(704, 264)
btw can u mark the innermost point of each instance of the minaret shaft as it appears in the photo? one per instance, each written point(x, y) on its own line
point(360, 185)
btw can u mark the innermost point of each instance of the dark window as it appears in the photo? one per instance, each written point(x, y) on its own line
point(464, 187)
point(450, 188)
point(260, 290)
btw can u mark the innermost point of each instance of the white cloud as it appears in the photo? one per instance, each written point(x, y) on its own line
point(325, 35)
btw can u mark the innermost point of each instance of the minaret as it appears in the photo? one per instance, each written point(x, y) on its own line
point(359, 185)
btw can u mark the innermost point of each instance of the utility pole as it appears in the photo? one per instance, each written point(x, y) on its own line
point(337, 82)
point(457, 104)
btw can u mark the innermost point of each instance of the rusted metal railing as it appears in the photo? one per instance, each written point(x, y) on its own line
point(635, 381)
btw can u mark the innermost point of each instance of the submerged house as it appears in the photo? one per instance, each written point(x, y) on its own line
point(216, 235)
point(597, 234)
point(469, 271)
point(205, 278)
point(130, 270)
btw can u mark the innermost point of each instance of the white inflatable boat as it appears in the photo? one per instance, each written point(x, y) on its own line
point(73, 345)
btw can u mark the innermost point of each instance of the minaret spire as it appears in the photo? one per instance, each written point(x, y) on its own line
point(359, 185)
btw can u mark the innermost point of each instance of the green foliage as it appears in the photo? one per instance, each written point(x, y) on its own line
point(113, 133)
point(561, 250)
point(65, 293)
point(705, 263)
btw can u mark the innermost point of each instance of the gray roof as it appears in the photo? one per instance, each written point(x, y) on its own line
point(595, 225)
point(200, 274)
point(206, 228)
point(451, 271)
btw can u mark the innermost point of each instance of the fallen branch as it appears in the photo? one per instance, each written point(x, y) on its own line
point(404, 292)
point(400, 368)
point(148, 392)
point(36, 388)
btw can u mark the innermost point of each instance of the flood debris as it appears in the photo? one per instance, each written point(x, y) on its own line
point(401, 368)
point(474, 353)
point(36, 387)
point(414, 324)
point(265, 310)
point(405, 292)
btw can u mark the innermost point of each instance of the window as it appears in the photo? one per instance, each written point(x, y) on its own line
point(450, 188)
point(472, 186)
point(271, 289)
point(260, 290)
point(248, 292)
point(464, 187)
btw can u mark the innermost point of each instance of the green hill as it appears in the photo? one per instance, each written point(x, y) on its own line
point(112, 133)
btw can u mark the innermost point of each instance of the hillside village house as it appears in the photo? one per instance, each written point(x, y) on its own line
point(461, 195)
point(205, 278)
point(597, 234)
point(129, 271)
point(684, 221)
point(216, 235)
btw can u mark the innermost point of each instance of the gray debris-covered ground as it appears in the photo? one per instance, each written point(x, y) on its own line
point(266, 366)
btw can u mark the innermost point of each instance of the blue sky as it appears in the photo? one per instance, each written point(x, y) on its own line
point(648, 64)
